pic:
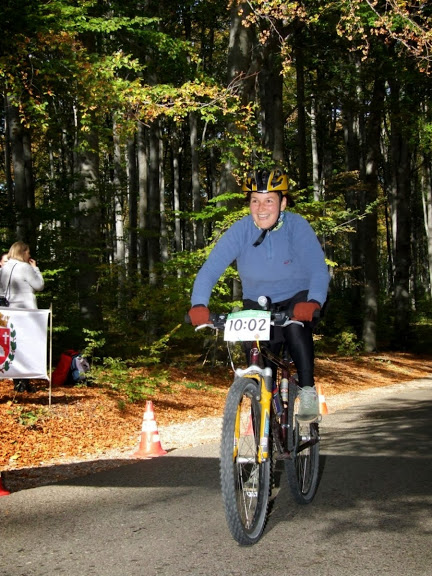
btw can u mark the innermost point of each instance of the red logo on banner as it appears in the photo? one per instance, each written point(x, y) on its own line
point(5, 339)
point(7, 343)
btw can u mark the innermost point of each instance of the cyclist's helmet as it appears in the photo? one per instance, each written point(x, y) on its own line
point(262, 181)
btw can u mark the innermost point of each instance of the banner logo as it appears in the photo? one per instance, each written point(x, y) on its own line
point(7, 343)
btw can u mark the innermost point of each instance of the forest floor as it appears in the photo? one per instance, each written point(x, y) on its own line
point(98, 426)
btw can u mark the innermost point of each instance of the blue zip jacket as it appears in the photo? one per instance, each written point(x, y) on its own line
point(289, 260)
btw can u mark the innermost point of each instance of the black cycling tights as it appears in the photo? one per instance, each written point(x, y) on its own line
point(299, 343)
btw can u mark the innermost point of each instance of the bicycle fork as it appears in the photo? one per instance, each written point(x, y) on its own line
point(266, 389)
point(264, 378)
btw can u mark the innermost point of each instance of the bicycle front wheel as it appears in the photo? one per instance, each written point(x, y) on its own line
point(245, 482)
point(302, 467)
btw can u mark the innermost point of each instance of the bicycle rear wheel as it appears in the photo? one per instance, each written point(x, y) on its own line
point(245, 482)
point(302, 467)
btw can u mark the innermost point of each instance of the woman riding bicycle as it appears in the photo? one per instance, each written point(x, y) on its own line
point(278, 255)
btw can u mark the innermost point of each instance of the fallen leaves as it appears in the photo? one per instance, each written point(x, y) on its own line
point(84, 421)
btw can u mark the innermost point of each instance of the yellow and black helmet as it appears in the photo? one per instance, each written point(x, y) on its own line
point(263, 181)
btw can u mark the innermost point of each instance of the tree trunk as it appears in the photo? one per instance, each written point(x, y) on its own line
point(88, 227)
point(196, 188)
point(427, 211)
point(153, 213)
point(164, 254)
point(401, 217)
point(132, 170)
point(142, 198)
point(370, 223)
point(9, 222)
point(271, 84)
point(241, 71)
point(22, 175)
point(118, 241)
point(354, 195)
point(175, 150)
point(317, 192)
point(301, 110)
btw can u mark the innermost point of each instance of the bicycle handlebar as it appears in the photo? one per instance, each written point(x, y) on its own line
point(278, 318)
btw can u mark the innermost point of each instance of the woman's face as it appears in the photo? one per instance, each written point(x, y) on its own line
point(265, 208)
point(26, 255)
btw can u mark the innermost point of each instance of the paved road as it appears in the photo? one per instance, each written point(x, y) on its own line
point(372, 514)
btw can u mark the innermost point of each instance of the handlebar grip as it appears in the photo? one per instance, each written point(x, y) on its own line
point(290, 312)
point(213, 318)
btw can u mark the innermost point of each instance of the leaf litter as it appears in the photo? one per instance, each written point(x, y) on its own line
point(89, 429)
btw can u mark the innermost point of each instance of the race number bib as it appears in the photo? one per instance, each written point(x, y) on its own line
point(247, 325)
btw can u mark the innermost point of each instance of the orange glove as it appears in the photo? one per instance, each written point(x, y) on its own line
point(199, 314)
point(304, 311)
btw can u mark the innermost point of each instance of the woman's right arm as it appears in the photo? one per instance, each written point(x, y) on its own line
point(223, 254)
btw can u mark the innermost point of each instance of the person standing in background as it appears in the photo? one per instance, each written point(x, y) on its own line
point(3, 259)
point(21, 278)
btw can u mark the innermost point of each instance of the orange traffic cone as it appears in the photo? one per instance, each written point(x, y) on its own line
point(322, 402)
point(3, 492)
point(150, 445)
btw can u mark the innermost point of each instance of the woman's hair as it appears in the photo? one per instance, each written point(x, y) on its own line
point(17, 250)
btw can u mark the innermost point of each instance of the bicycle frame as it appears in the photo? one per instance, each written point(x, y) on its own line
point(264, 377)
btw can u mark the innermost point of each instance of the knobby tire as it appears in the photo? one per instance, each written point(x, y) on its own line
point(245, 483)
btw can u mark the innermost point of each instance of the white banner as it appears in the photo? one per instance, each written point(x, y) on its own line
point(23, 343)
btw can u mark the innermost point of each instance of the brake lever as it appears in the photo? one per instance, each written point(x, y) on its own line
point(202, 326)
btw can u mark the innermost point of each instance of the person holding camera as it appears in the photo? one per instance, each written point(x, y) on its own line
point(20, 279)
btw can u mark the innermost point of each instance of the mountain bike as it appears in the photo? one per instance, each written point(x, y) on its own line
point(260, 427)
